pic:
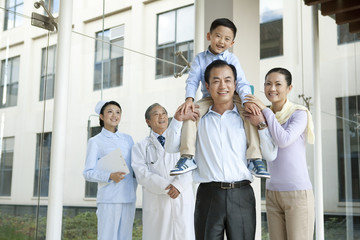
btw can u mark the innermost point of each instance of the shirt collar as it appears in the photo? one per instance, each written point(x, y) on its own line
point(109, 134)
point(224, 54)
point(234, 110)
point(157, 135)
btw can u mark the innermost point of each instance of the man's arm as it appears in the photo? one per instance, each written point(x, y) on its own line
point(173, 133)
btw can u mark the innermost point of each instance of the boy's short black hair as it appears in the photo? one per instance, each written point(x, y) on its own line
point(223, 22)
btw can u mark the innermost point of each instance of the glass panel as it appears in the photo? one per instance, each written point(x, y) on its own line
point(42, 165)
point(19, 18)
point(164, 68)
point(185, 24)
point(6, 166)
point(166, 28)
point(344, 36)
point(184, 28)
point(271, 28)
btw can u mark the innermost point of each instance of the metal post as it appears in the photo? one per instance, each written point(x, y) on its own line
point(319, 202)
point(55, 206)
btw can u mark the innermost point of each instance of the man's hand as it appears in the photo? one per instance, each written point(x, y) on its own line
point(188, 105)
point(189, 115)
point(251, 107)
point(173, 192)
point(117, 176)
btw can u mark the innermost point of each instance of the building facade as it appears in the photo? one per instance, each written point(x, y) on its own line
point(126, 51)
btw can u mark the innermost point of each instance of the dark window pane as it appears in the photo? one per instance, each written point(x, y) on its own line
point(164, 69)
point(42, 165)
point(6, 166)
point(347, 110)
point(91, 187)
point(271, 39)
point(344, 36)
point(9, 82)
point(112, 57)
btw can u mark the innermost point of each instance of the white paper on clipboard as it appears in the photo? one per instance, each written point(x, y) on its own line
point(113, 162)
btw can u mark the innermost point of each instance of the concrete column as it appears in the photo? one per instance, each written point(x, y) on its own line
point(55, 207)
point(318, 185)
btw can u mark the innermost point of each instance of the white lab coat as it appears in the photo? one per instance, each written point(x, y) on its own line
point(164, 218)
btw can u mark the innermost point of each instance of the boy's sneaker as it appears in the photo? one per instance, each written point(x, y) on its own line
point(258, 169)
point(184, 165)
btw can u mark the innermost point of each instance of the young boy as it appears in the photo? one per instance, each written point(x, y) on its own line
point(221, 36)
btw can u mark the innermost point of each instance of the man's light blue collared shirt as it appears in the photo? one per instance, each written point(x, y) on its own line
point(198, 66)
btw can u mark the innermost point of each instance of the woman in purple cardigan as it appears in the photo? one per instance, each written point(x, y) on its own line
point(289, 195)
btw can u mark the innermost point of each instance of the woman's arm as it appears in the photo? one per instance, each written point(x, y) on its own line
point(296, 126)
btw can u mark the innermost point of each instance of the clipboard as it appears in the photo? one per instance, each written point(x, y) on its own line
point(113, 162)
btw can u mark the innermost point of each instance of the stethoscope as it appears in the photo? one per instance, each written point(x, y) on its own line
point(151, 145)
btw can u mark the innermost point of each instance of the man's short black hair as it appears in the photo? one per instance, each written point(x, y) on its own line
point(223, 22)
point(217, 64)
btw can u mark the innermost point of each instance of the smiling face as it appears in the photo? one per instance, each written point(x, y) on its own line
point(111, 117)
point(158, 120)
point(221, 39)
point(221, 85)
point(276, 88)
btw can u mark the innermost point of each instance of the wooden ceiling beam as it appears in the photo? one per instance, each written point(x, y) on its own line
point(339, 6)
point(348, 17)
point(354, 27)
point(313, 2)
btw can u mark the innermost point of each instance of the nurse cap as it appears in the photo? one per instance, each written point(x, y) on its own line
point(99, 106)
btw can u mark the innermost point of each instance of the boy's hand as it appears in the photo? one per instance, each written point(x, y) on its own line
point(188, 105)
point(189, 115)
point(253, 99)
point(252, 108)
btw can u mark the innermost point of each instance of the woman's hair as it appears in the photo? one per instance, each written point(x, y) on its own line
point(101, 122)
point(284, 72)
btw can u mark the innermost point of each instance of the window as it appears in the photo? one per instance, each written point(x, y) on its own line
point(91, 187)
point(344, 36)
point(348, 145)
point(271, 28)
point(47, 72)
point(42, 164)
point(175, 32)
point(54, 6)
point(6, 166)
point(12, 17)
point(113, 57)
point(9, 82)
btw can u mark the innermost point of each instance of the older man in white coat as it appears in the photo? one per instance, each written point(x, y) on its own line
point(168, 201)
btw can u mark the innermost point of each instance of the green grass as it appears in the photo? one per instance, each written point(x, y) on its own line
point(79, 227)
